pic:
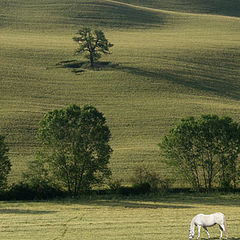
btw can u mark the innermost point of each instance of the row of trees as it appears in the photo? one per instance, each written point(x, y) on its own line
point(205, 151)
point(75, 151)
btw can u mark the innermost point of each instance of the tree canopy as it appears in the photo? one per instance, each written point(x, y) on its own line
point(204, 150)
point(93, 43)
point(75, 148)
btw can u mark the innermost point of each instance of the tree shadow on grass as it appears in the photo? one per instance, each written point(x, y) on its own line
point(134, 204)
point(210, 84)
point(76, 66)
point(79, 67)
point(204, 199)
point(152, 206)
point(207, 84)
point(180, 199)
point(21, 211)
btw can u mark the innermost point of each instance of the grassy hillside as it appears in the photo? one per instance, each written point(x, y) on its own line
point(221, 7)
point(164, 66)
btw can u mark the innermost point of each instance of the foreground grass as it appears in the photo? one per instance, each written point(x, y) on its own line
point(123, 218)
point(165, 66)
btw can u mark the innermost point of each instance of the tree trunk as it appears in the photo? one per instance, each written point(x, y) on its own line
point(91, 60)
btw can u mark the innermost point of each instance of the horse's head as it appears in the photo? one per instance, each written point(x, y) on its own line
point(191, 234)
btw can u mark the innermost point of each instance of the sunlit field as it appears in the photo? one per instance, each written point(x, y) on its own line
point(167, 63)
point(123, 218)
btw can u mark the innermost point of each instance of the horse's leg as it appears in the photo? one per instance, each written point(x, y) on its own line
point(221, 230)
point(207, 232)
point(225, 229)
point(199, 230)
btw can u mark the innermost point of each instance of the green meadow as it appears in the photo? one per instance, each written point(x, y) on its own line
point(125, 218)
point(169, 61)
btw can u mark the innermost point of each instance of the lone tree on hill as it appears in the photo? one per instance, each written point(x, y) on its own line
point(204, 151)
point(93, 43)
point(5, 165)
point(75, 148)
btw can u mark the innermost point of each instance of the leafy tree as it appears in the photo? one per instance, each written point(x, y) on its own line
point(93, 43)
point(5, 165)
point(204, 150)
point(76, 149)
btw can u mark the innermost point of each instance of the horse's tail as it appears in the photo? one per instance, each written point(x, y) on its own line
point(225, 226)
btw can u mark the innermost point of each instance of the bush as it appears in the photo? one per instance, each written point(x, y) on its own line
point(26, 191)
point(115, 185)
point(146, 180)
point(142, 188)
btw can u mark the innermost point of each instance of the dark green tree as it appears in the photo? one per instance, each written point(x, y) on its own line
point(75, 148)
point(93, 43)
point(204, 150)
point(5, 164)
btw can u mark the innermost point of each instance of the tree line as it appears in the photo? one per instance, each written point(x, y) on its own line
point(75, 152)
point(205, 151)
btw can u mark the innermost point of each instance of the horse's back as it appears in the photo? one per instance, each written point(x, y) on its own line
point(209, 220)
point(219, 213)
point(219, 217)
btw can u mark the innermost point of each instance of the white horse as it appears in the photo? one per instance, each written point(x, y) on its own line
point(205, 221)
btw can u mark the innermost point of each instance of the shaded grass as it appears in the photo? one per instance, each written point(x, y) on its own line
point(78, 67)
point(52, 15)
point(227, 8)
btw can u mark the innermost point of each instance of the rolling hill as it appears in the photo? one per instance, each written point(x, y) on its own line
point(217, 7)
point(169, 61)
